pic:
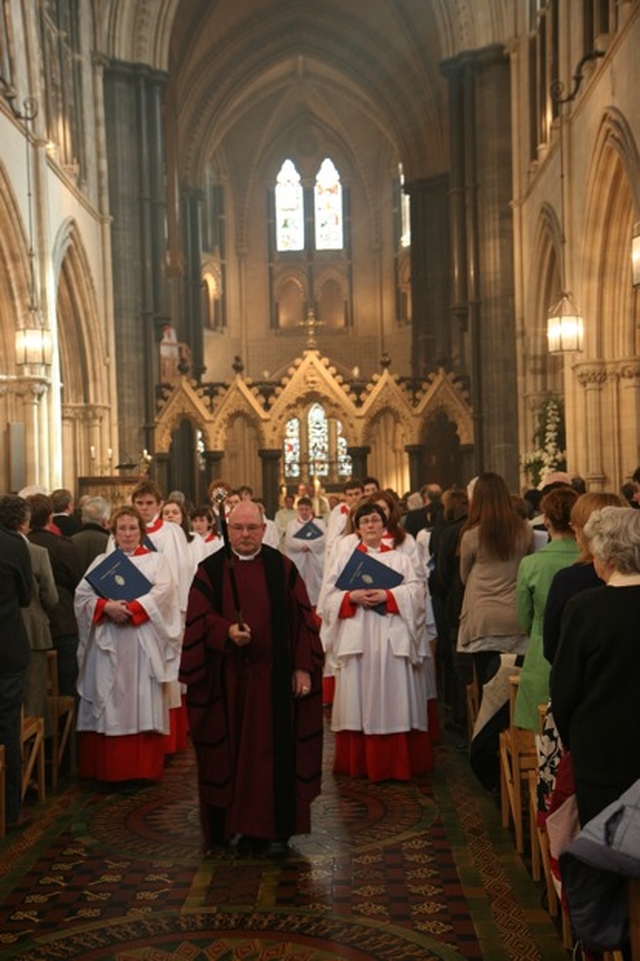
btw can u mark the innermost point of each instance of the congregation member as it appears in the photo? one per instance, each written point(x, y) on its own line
point(129, 650)
point(254, 679)
point(304, 545)
point(535, 575)
point(424, 515)
point(580, 576)
point(377, 647)
point(595, 676)
point(446, 591)
point(66, 572)
point(64, 516)
point(15, 593)
point(92, 539)
point(493, 542)
point(15, 516)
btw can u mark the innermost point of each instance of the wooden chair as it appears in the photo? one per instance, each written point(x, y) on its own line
point(518, 756)
point(63, 721)
point(32, 742)
point(3, 796)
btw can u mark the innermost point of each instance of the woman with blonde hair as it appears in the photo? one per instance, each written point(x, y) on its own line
point(581, 575)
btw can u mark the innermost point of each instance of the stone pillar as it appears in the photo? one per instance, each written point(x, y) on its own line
point(430, 274)
point(161, 472)
point(416, 465)
point(270, 478)
point(592, 377)
point(358, 457)
point(482, 251)
point(194, 328)
point(133, 99)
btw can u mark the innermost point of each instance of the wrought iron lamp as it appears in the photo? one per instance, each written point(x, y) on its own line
point(32, 339)
point(565, 324)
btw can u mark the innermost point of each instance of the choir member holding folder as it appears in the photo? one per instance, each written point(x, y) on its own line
point(130, 641)
point(374, 610)
point(304, 543)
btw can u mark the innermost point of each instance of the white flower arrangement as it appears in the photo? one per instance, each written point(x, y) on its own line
point(549, 453)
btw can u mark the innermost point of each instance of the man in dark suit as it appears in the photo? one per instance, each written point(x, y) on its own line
point(64, 516)
point(92, 539)
point(15, 592)
point(427, 516)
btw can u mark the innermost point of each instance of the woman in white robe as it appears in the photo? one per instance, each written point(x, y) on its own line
point(380, 704)
point(129, 652)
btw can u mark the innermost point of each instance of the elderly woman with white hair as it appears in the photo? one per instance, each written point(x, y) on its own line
point(595, 681)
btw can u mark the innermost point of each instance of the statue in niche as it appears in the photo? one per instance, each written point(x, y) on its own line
point(175, 356)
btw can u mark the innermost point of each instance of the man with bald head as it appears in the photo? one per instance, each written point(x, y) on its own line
point(254, 680)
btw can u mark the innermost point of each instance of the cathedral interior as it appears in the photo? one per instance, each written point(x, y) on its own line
point(282, 242)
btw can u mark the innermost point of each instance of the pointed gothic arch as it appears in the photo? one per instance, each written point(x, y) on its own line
point(83, 358)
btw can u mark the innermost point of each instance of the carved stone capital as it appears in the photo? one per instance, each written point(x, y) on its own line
point(591, 375)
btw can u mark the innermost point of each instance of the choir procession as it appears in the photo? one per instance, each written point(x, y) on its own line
point(175, 625)
point(319, 480)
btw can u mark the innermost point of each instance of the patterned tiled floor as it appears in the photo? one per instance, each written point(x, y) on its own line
point(393, 871)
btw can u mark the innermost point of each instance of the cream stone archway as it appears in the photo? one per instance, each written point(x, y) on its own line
point(25, 393)
point(84, 363)
point(385, 416)
point(605, 391)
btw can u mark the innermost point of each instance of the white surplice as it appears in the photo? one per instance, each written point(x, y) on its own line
point(378, 661)
point(306, 554)
point(124, 671)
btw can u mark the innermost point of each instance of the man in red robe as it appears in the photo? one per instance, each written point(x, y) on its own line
point(254, 696)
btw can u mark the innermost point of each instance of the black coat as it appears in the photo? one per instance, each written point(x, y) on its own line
point(15, 592)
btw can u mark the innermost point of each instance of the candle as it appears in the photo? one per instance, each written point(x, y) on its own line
point(92, 452)
point(109, 453)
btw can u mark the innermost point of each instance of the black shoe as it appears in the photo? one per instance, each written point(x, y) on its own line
point(218, 849)
point(279, 848)
point(251, 846)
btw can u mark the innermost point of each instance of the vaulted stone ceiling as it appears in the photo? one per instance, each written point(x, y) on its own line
point(234, 59)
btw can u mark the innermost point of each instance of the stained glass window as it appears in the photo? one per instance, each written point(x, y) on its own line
point(405, 214)
point(328, 208)
point(292, 448)
point(289, 208)
point(318, 441)
point(325, 448)
point(344, 461)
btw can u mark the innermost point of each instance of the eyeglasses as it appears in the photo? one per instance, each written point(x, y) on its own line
point(252, 528)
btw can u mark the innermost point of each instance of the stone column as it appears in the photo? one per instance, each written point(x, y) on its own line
point(134, 136)
point(213, 470)
point(358, 457)
point(161, 472)
point(480, 125)
point(592, 377)
point(416, 465)
point(430, 274)
point(192, 199)
point(270, 478)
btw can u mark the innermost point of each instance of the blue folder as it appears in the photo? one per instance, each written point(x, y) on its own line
point(310, 532)
point(364, 572)
point(116, 578)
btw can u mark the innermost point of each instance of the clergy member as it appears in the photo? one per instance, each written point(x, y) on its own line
point(254, 679)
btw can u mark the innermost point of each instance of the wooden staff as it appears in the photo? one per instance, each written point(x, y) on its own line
point(219, 496)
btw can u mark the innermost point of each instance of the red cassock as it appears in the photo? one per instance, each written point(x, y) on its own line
point(259, 749)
